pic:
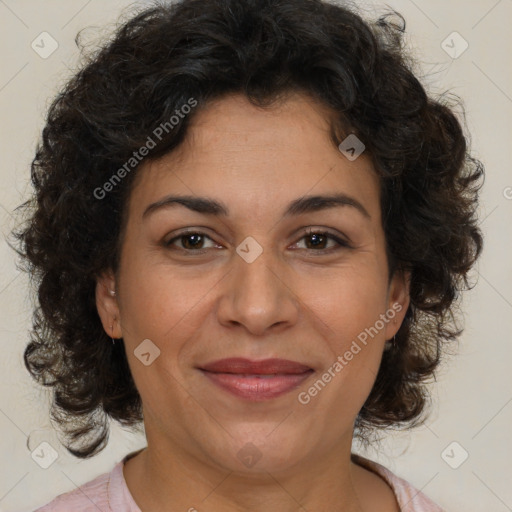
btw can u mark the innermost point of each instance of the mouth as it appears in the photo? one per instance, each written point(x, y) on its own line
point(256, 380)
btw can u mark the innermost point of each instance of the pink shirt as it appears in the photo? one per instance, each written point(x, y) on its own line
point(109, 493)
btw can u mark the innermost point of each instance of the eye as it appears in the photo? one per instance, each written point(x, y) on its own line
point(190, 241)
point(316, 240)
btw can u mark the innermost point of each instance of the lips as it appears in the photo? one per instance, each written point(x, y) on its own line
point(256, 380)
point(264, 367)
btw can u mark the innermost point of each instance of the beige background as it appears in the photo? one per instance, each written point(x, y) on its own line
point(473, 395)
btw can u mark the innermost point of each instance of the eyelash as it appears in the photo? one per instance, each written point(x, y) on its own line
point(330, 236)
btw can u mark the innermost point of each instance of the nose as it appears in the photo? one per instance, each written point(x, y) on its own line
point(258, 296)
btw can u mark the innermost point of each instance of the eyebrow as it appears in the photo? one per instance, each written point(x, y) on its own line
point(306, 204)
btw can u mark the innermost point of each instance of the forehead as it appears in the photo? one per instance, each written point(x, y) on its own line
point(260, 157)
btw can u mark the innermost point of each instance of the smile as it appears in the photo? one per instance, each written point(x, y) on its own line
point(257, 387)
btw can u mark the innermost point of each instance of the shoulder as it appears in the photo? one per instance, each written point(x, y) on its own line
point(91, 496)
point(408, 497)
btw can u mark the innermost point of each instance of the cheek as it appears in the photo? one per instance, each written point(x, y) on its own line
point(162, 304)
point(347, 312)
point(166, 308)
point(347, 300)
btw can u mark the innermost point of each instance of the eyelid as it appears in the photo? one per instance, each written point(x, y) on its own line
point(342, 241)
point(189, 231)
point(326, 231)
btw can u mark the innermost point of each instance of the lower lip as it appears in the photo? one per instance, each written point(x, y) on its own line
point(257, 388)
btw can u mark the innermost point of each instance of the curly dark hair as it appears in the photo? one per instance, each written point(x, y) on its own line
point(154, 63)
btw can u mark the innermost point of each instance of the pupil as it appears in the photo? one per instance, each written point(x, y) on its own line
point(318, 239)
point(195, 244)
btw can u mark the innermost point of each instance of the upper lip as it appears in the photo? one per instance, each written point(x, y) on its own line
point(241, 365)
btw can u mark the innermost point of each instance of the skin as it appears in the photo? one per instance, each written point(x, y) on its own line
point(296, 301)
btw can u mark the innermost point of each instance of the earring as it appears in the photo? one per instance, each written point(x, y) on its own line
point(390, 344)
point(112, 334)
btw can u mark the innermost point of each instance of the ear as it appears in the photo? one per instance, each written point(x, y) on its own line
point(107, 306)
point(398, 301)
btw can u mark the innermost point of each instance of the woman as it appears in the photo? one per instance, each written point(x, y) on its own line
point(249, 228)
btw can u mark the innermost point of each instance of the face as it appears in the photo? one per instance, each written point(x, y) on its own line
point(262, 273)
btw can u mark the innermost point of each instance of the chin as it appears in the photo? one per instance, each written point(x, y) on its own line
point(268, 452)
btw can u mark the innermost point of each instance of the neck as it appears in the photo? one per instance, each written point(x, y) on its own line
point(173, 479)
